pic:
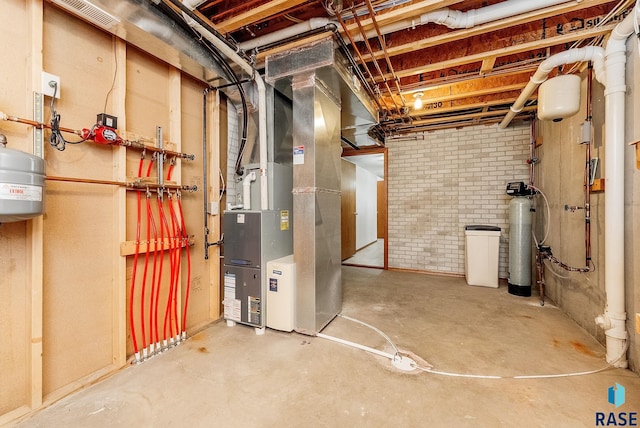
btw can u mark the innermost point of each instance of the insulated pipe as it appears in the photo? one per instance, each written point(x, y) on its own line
point(457, 19)
point(471, 18)
point(262, 99)
point(285, 33)
point(613, 321)
point(589, 53)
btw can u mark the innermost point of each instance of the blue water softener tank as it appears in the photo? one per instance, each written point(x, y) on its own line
point(520, 220)
point(21, 184)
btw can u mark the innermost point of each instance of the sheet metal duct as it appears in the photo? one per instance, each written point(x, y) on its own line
point(316, 180)
point(144, 25)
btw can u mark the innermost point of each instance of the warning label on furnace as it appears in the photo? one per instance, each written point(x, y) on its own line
point(284, 220)
point(254, 309)
point(232, 306)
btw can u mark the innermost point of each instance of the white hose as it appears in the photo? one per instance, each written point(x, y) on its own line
point(415, 366)
point(546, 201)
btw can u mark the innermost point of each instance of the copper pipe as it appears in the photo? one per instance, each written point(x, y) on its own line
point(85, 180)
point(375, 62)
point(129, 185)
point(359, 55)
point(40, 125)
point(383, 45)
point(540, 275)
point(587, 174)
point(126, 143)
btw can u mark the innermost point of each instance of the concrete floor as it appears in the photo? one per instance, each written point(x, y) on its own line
point(371, 255)
point(231, 377)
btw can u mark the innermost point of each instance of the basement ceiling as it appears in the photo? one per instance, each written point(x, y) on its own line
point(465, 76)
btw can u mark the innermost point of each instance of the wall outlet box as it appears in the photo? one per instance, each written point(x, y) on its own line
point(47, 87)
point(214, 208)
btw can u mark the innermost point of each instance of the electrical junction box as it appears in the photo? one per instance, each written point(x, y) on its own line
point(281, 293)
point(107, 120)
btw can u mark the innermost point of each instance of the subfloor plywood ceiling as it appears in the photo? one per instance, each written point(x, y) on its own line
point(406, 49)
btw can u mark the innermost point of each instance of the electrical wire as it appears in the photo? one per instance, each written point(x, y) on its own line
point(233, 78)
point(56, 140)
point(223, 188)
point(115, 74)
point(478, 376)
point(380, 332)
point(597, 41)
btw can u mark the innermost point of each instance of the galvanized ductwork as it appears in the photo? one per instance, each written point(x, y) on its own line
point(316, 180)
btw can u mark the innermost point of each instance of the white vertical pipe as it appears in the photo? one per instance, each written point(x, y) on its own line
point(613, 321)
point(262, 103)
point(246, 189)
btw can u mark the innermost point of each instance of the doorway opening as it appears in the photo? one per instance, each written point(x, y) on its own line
point(364, 208)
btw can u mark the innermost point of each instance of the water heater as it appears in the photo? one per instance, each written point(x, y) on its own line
point(21, 184)
point(520, 220)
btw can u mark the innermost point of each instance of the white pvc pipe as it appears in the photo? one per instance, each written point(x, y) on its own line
point(471, 18)
point(246, 189)
point(613, 321)
point(613, 77)
point(285, 33)
point(262, 103)
point(356, 345)
point(457, 19)
point(589, 53)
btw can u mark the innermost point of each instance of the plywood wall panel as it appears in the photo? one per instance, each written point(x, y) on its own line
point(192, 174)
point(15, 99)
point(13, 317)
point(79, 227)
point(78, 282)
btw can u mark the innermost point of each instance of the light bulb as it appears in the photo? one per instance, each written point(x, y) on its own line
point(417, 105)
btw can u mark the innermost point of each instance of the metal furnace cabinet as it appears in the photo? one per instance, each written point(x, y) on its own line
point(252, 238)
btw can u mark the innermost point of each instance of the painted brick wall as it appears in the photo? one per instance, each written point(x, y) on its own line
point(441, 181)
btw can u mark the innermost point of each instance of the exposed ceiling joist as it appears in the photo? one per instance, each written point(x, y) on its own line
point(509, 50)
point(400, 14)
point(466, 75)
point(457, 35)
point(259, 13)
